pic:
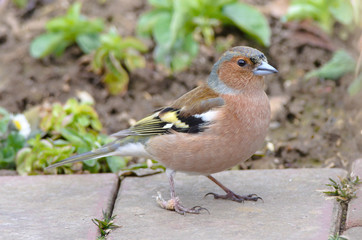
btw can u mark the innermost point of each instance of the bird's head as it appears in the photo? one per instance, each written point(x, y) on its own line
point(238, 69)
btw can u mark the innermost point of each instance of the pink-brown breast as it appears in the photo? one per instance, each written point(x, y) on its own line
point(238, 132)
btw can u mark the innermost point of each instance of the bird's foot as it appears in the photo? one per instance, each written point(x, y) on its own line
point(234, 197)
point(174, 205)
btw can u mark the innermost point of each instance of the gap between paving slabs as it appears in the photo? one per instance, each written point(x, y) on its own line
point(353, 215)
point(142, 172)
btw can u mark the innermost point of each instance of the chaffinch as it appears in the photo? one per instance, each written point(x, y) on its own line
point(209, 129)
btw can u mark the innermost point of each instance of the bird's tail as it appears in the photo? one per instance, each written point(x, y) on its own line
point(107, 150)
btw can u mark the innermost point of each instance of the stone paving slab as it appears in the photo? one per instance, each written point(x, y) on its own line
point(54, 207)
point(354, 233)
point(293, 208)
point(354, 212)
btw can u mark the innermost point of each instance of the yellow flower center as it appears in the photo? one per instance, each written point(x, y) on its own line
point(17, 124)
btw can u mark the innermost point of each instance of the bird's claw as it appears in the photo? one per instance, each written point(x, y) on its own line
point(234, 197)
point(174, 205)
point(195, 210)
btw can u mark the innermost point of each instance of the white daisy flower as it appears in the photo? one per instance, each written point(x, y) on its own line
point(21, 124)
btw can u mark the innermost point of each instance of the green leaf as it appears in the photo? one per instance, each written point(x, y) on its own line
point(116, 83)
point(112, 51)
point(7, 157)
point(83, 120)
point(208, 34)
point(303, 10)
point(186, 54)
point(249, 20)
point(46, 123)
point(71, 136)
point(178, 20)
point(4, 120)
point(134, 43)
point(116, 78)
point(148, 21)
point(88, 42)
point(59, 50)
point(90, 163)
point(133, 61)
point(340, 64)
point(324, 12)
point(342, 11)
point(161, 32)
point(171, 22)
point(23, 156)
point(96, 124)
point(9, 146)
point(20, 3)
point(162, 55)
point(63, 31)
point(161, 3)
point(97, 62)
point(116, 163)
point(3, 112)
point(58, 24)
point(15, 141)
point(74, 126)
point(162, 36)
point(74, 11)
point(355, 86)
point(45, 44)
point(60, 143)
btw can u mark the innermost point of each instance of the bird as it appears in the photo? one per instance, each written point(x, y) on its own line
point(209, 129)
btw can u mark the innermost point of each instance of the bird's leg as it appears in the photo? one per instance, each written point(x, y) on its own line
point(230, 195)
point(174, 203)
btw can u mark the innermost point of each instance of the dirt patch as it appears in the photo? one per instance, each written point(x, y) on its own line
point(317, 123)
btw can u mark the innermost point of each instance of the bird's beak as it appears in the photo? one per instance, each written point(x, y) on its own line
point(264, 69)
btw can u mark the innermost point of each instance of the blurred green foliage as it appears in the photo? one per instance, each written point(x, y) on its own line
point(340, 64)
point(73, 115)
point(11, 141)
point(20, 3)
point(355, 86)
point(39, 153)
point(68, 129)
point(116, 55)
point(178, 26)
point(149, 164)
point(324, 12)
point(66, 30)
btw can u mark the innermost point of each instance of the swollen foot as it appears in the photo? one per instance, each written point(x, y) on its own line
point(174, 205)
point(234, 197)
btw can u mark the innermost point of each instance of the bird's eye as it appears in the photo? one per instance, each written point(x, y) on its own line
point(241, 62)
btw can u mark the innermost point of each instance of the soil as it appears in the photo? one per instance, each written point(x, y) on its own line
point(315, 123)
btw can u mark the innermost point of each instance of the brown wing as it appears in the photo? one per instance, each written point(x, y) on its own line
point(184, 115)
point(197, 101)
